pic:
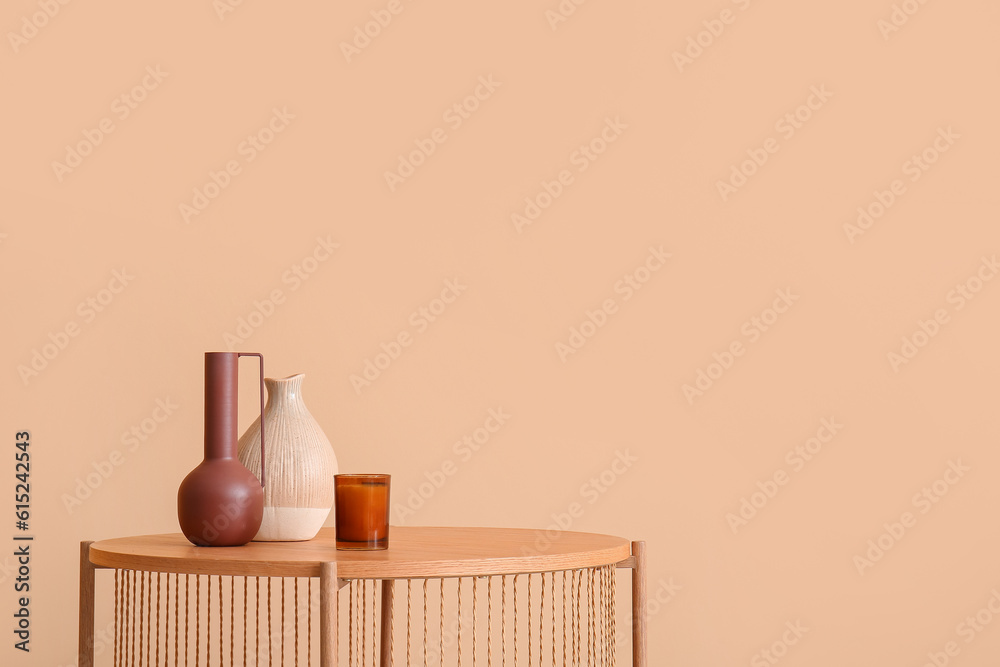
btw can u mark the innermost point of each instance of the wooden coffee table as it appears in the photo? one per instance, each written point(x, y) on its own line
point(566, 610)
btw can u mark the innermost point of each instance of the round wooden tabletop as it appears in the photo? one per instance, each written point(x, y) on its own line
point(414, 552)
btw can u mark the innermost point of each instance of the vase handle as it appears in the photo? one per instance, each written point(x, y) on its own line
point(261, 357)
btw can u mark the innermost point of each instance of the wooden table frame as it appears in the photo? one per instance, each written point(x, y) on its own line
point(330, 583)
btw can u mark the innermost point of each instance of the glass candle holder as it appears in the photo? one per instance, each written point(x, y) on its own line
point(362, 511)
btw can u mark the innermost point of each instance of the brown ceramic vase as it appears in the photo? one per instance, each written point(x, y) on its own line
point(221, 503)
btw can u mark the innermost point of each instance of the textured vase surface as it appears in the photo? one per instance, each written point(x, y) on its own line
point(300, 464)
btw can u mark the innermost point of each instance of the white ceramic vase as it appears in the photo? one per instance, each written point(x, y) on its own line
point(300, 462)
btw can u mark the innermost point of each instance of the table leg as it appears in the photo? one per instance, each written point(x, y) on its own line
point(87, 580)
point(639, 605)
point(388, 587)
point(328, 648)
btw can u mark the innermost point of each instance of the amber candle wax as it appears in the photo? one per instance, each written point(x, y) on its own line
point(361, 504)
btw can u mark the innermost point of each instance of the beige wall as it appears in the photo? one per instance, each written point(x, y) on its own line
point(834, 298)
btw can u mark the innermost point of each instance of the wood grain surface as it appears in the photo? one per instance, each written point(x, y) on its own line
point(413, 552)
